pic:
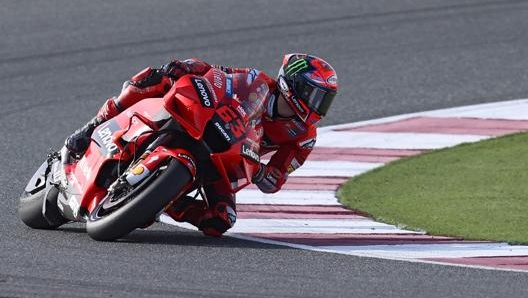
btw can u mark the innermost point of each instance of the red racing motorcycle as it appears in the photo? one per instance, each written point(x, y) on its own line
point(157, 151)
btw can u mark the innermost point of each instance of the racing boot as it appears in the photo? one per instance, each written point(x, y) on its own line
point(78, 142)
point(188, 210)
point(212, 222)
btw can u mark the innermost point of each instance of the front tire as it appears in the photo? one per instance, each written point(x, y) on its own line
point(140, 206)
point(31, 211)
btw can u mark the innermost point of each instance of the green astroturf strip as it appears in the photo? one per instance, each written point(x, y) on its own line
point(478, 191)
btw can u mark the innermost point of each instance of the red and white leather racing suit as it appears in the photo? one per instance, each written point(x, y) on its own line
point(289, 140)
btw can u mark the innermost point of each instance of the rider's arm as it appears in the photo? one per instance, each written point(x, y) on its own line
point(155, 82)
point(177, 68)
point(283, 162)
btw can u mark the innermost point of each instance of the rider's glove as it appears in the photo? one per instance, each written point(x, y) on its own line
point(268, 179)
point(175, 69)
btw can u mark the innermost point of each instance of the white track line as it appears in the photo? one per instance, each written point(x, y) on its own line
point(316, 226)
point(334, 168)
point(379, 140)
point(288, 197)
point(441, 250)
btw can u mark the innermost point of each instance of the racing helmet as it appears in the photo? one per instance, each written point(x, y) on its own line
point(308, 84)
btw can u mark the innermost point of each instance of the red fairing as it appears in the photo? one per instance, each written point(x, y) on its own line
point(189, 95)
point(201, 105)
point(108, 147)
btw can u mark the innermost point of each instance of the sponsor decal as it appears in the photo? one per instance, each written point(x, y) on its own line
point(203, 92)
point(297, 66)
point(297, 104)
point(294, 165)
point(252, 75)
point(189, 159)
point(103, 138)
point(138, 170)
point(249, 153)
point(332, 80)
point(301, 127)
point(137, 174)
point(242, 112)
point(231, 121)
point(283, 85)
point(308, 144)
point(229, 86)
point(218, 79)
point(222, 131)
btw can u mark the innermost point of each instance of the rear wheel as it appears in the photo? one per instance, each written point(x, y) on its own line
point(130, 207)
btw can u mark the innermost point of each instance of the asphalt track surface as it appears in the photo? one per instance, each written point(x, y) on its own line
point(60, 59)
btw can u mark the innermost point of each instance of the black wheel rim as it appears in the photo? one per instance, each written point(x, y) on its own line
point(115, 200)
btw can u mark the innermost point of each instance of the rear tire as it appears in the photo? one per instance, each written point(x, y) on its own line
point(141, 205)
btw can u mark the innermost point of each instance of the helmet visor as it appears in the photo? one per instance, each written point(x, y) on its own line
point(316, 98)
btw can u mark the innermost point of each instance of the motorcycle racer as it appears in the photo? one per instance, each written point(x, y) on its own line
point(300, 96)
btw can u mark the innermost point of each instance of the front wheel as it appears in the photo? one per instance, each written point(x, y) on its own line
point(33, 207)
point(37, 206)
point(121, 212)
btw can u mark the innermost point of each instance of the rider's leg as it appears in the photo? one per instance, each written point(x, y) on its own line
point(213, 220)
point(147, 83)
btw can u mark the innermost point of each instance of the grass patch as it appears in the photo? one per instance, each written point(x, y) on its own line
point(478, 191)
